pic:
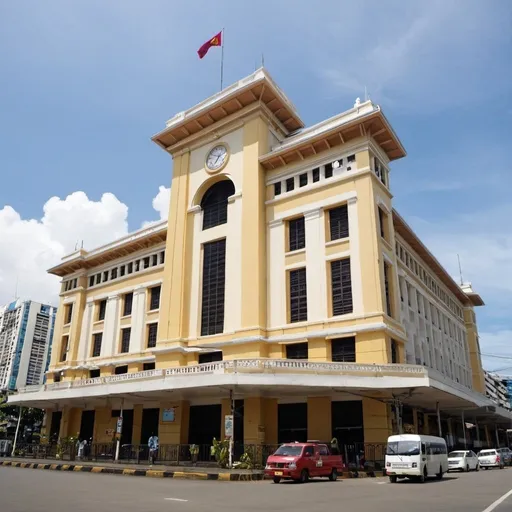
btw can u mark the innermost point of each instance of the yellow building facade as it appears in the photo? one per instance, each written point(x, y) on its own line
point(283, 288)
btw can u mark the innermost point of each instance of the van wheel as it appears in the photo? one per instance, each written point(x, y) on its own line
point(334, 475)
point(423, 477)
point(477, 467)
point(467, 468)
point(393, 479)
point(439, 475)
point(276, 479)
point(304, 476)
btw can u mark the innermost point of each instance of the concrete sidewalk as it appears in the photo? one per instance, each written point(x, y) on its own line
point(156, 471)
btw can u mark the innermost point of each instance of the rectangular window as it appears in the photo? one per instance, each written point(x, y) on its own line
point(316, 175)
point(94, 374)
point(338, 222)
point(152, 332)
point(214, 282)
point(303, 180)
point(394, 352)
point(105, 276)
point(91, 281)
point(162, 257)
point(328, 170)
point(298, 296)
point(121, 370)
point(211, 357)
point(102, 308)
point(98, 278)
point(69, 313)
point(146, 262)
point(296, 234)
point(154, 302)
point(64, 348)
point(341, 285)
point(137, 265)
point(277, 188)
point(128, 302)
point(96, 346)
point(113, 273)
point(343, 350)
point(297, 351)
point(125, 339)
point(290, 184)
point(122, 270)
point(130, 268)
point(148, 366)
point(155, 260)
point(351, 158)
point(389, 309)
point(382, 223)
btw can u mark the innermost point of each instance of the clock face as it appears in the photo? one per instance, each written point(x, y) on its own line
point(217, 158)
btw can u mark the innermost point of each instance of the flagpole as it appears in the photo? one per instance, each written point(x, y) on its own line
point(222, 61)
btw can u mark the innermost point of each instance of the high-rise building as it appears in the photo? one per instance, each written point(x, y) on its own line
point(283, 279)
point(26, 330)
point(496, 388)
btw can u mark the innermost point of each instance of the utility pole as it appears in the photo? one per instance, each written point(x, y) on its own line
point(398, 416)
point(119, 430)
point(439, 428)
point(232, 404)
point(17, 430)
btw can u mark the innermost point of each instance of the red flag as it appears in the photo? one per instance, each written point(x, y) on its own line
point(216, 40)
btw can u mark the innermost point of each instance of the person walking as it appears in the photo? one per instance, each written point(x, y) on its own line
point(153, 448)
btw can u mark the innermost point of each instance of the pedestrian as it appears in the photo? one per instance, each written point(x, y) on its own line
point(153, 448)
point(81, 445)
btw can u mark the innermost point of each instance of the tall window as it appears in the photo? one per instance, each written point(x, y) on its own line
point(387, 271)
point(125, 339)
point(128, 302)
point(290, 184)
point(152, 332)
point(215, 203)
point(383, 224)
point(341, 285)
point(154, 302)
point(69, 313)
point(343, 350)
point(102, 308)
point(64, 348)
point(297, 234)
point(297, 351)
point(214, 281)
point(96, 346)
point(277, 188)
point(394, 352)
point(298, 296)
point(338, 222)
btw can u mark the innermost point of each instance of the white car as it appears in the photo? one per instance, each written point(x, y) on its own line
point(490, 459)
point(463, 460)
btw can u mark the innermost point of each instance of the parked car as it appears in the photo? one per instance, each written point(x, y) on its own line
point(463, 460)
point(490, 459)
point(506, 455)
point(302, 461)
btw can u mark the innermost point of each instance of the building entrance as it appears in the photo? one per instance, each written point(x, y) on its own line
point(292, 423)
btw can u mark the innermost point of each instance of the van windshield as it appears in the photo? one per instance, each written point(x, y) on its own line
point(403, 448)
point(289, 450)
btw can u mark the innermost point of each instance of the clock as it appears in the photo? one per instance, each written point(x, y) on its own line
point(217, 158)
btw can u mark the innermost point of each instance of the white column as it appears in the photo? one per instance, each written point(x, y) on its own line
point(195, 282)
point(233, 291)
point(110, 334)
point(315, 265)
point(137, 336)
point(84, 347)
point(277, 282)
point(355, 256)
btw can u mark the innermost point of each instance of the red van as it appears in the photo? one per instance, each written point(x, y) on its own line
point(302, 461)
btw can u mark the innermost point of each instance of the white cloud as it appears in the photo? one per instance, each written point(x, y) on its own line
point(161, 201)
point(29, 247)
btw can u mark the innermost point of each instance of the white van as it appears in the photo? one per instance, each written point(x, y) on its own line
point(415, 456)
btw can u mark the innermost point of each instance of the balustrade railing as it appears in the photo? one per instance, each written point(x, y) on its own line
point(240, 366)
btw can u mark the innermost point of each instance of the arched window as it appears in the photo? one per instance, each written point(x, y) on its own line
point(215, 203)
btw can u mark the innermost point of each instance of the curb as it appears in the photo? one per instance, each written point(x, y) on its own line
point(152, 473)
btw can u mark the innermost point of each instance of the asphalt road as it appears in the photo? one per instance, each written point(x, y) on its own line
point(26, 490)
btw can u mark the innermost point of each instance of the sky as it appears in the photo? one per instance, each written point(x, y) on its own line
point(85, 84)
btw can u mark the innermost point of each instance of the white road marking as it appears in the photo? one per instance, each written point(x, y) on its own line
point(174, 499)
point(492, 506)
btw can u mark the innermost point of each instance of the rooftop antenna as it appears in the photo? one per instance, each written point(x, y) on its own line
point(16, 288)
point(460, 271)
point(262, 60)
point(82, 244)
point(365, 93)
